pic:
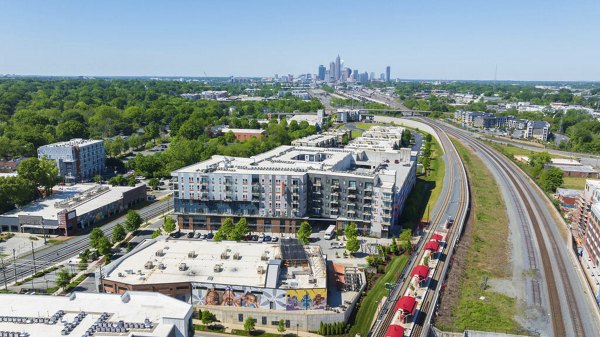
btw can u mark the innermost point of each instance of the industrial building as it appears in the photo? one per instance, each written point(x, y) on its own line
point(70, 208)
point(236, 280)
point(89, 314)
point(278, 189)
point(77, 159)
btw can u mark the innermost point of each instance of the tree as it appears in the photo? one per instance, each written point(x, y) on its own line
point(104, 246)
point(394, 246)
point(428, 138)
point(208, 317)
point(118, 233)
point(241, 229)
point(169, 224)
point(134, 221)
point(281, 323)
point(249, 324)
point(351, 230)
point(224, 231)
point(63, 278)
point(154, 183)
point(42, 172)
point(304, 232)
point(95, 235)
point(551, 178)
point(156, 234)
point(97, 179)
point(353, 245)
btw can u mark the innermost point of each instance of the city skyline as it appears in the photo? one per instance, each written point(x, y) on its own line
point(450, 41)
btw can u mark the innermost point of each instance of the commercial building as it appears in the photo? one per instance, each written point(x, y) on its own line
point(209, 94)
point(585, 171)
point(277, 190)
point(321, 73)
point(71, 208)
point(88, 314)
point(244, 134)
point(387, 73)
point(236, 280)
point(76, 159)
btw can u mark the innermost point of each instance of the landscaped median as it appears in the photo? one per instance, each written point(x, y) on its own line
point(467, 301)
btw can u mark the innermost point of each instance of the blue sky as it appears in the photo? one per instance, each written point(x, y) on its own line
point(527, 39)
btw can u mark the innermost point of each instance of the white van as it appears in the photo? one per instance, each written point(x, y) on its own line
point(330, 232)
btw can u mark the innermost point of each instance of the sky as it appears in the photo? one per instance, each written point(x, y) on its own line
point(424, 39)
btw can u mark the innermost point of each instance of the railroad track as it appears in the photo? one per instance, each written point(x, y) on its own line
point(555, 270)
point(71, 248)
point(386, 315)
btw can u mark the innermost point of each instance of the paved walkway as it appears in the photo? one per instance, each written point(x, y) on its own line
point(231, 326)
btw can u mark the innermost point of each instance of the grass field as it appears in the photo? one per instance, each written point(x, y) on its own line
point(484, 254)
point(366, 312)
point(577, 183)
point(364, 126)
point(426, 192)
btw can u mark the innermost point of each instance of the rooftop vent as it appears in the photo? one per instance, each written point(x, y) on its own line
point(192, 254)
point(237, 256)
point(260, 270)
point(148, 265)
point(218, 268)
point(159, 253)
point(224, 255)
point(182, 267)
point(162, 266)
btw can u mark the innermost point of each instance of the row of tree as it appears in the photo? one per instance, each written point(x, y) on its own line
point(103, 244)
point(549, 177)
point(332, 329)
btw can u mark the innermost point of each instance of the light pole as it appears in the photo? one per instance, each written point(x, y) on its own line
point(4, 273)
point(297, 325)
point(33, 255)
point(15, 264)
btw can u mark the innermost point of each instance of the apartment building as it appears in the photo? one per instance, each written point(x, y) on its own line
point(76, 159)
point(539, 130)
point(325, 139)
point(277, 190)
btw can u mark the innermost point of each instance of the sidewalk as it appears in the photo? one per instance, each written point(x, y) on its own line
point(272, 330)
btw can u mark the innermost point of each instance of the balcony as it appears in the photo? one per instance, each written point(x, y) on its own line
point(368, 188)
point(352, 196)
point(335, 188)
point(295, 190)
point(352, 188)
point(317, 183)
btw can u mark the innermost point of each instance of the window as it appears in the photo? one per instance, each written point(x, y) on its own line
point(240, 317)
point(287, 323)
point(264, 320)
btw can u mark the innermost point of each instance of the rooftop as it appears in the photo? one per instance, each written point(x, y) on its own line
point(132, 307)
point(232, 263)
point(73, 142)
point(82, 197)
point(575, 168)
point(256, 131)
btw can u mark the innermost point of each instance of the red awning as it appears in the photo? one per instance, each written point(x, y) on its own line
point(422, 271)
point(432, 245)
point(407, 304)
point(395, 331)
point(437, 237)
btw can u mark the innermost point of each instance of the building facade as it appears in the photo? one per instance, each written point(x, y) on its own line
point(539, 130)
point(277, 190)
point(77, 159)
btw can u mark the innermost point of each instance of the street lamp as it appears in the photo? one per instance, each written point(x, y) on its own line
point(297, 325)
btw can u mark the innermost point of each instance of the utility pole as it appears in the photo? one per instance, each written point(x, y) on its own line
point(4, 273)
point(15, 263)
point(33, 255)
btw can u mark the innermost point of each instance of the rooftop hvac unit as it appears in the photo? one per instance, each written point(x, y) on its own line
point(159, 253)
point(260, 270)
point(182, 266)
point(312, 280)
point(218, 268)
point(148, 265)
point(224, 255)
point(237, 256)
point(162, 266)
point(192, 254)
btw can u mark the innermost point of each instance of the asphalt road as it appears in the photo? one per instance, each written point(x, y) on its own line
point(24, 266)
point(555, 286)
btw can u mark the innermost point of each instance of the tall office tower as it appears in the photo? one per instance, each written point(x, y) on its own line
point(321, 76)
point(355, 74)
point(338, 68)
point(387, 73)
point(382, 76)
point(348, 72)
point(344, 77)
point(372, 76)
point(332, 71)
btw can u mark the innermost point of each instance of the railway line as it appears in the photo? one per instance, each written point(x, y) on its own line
point(564, 296)
point(23, 267)
point(455, 170)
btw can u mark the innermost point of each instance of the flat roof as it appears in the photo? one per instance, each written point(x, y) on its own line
point(131, 307)
point(49, 207)
point(256, 131)
point(201, 265)
point(73, 142)
point(573, 168)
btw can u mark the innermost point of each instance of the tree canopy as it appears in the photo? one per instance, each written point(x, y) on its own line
point(304, 232)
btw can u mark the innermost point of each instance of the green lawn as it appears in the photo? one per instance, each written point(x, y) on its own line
point(577, 183)
point(510, 150)
point(366, 312)
point(364, 126)
point(486, 256)
point(426, 192)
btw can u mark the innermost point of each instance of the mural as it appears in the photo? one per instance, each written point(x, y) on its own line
point(237, 296)
point(306, 299)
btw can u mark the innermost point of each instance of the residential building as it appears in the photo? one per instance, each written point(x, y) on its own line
point(278, 189)
point(589, 196)
point(325, 139)
point(72, 208)
point(517, 124)
point(132, 313)
point(243, 135)
point(539, 130)
point(76, 159)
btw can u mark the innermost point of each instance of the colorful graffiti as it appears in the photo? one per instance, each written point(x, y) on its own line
point(306, 299)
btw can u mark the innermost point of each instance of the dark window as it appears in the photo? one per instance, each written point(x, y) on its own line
point(240, 317)
point(264, 320)
point(287, 323)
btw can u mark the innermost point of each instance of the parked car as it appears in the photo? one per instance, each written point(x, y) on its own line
point(190, 235)
point(254, 237)
point(247, 237)
point(209, 236)
point(267, 239)
point(197, 235)
point(202, 236)
point(176, 235)
point(275, 239)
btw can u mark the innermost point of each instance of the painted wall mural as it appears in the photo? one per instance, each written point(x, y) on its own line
point(238, 296)
point(306, 299)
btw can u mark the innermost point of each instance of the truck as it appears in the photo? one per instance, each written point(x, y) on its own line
point(330, 232)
